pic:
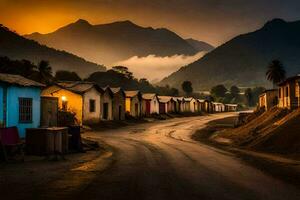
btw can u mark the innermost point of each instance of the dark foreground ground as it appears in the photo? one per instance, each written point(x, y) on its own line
point(157, 160)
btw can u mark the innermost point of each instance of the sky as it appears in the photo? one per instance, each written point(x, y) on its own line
point(213, 21)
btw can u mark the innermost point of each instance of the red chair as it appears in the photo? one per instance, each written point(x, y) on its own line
point(10, 139)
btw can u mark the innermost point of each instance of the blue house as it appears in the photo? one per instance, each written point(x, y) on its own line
point(20, 102)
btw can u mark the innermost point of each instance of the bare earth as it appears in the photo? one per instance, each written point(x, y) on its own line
point(159, 160)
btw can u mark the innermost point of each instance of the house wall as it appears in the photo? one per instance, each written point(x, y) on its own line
point(128, 105)
point(154, 106)
point(91, 117)
point(75, 101)
point(133, 112)
point(119, 100)
point(287, 98)
point(13, 95)
point(187, 106)
point(106, 98)
point(193, 106)
point(1, 104)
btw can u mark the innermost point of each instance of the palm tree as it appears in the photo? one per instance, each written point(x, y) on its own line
point(276, 72)
point(45, 72)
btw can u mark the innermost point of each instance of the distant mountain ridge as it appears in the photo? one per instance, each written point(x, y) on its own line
point(17, 47)
point(200, 45)
point(114, 42)
point(244, 59)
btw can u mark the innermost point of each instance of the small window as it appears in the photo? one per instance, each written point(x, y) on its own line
point(92, 105)
point(25, 110)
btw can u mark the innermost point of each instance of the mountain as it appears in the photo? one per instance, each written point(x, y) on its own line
point(200, 45)
point(17, 47)
point(114, 42)
point(244, 59)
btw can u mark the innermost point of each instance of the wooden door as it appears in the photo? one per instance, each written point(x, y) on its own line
point(162, 108)
point(105, 111)
point(49, 111)
point(148, 107)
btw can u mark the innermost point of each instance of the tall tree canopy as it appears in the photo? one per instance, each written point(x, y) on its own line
point(187, 87)
point(218, 91)
point(63, 75)
point(275, 72)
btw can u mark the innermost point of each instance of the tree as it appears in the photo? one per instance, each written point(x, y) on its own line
point(275, 72)
point(123, 70)
point(187, 87)
point(234, 91)
point(45, 72)
point(218, 91)
point(63, 75)
point(249, 96)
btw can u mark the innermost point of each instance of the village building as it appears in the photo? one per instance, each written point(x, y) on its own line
point(133, 103)
point(218, 107)
point(119, 99)
point(201, 105)
point(20, 102)
point(208, 106)
point(190, 105)
point(268, 99)
point(81, 98)
point(179, 102)
point(166, 104)
point(107, 104)
point(150, 104)
point(289, 93)
point(231, 107)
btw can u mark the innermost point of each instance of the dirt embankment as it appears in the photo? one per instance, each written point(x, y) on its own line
point(274, 131)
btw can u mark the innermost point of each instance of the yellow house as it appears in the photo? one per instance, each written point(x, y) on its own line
point(289, 93)
point(133, 103)
point(67, 100)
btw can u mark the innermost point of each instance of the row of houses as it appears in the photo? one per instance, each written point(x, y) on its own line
point(28, 104)
point(287, 95)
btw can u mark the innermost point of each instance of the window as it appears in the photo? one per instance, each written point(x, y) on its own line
point(92, 105)
point(287, 91)
point(25, 110)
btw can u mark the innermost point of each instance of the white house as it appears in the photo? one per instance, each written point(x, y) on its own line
point(218, 107)
point(107, 104)
point(166, 104)
point(190, 105)
point(150, 104)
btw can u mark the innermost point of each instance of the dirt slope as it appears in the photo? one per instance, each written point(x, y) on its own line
point(276, 130)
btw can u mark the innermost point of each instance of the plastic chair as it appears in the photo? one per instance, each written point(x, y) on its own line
point(10, 139)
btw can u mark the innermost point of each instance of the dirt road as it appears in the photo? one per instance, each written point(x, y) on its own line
point(157, 161)
point(161, 161)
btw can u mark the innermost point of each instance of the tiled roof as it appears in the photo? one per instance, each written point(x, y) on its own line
point(19, 80)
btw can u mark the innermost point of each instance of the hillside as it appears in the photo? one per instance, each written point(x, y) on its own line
point(110, 43)
point(243, 60)
point(16, 47)
point(200, 45)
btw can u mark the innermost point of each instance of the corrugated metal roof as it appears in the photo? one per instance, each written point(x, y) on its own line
point(148, 96)
point(164, 99)
point(78, 87)
point(19, 80)
point(132, 93)
point(116, 90)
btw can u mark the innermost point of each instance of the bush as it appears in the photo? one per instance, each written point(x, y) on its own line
point(66, 118)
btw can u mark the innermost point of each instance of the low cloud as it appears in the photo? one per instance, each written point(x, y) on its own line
point(155, 68)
